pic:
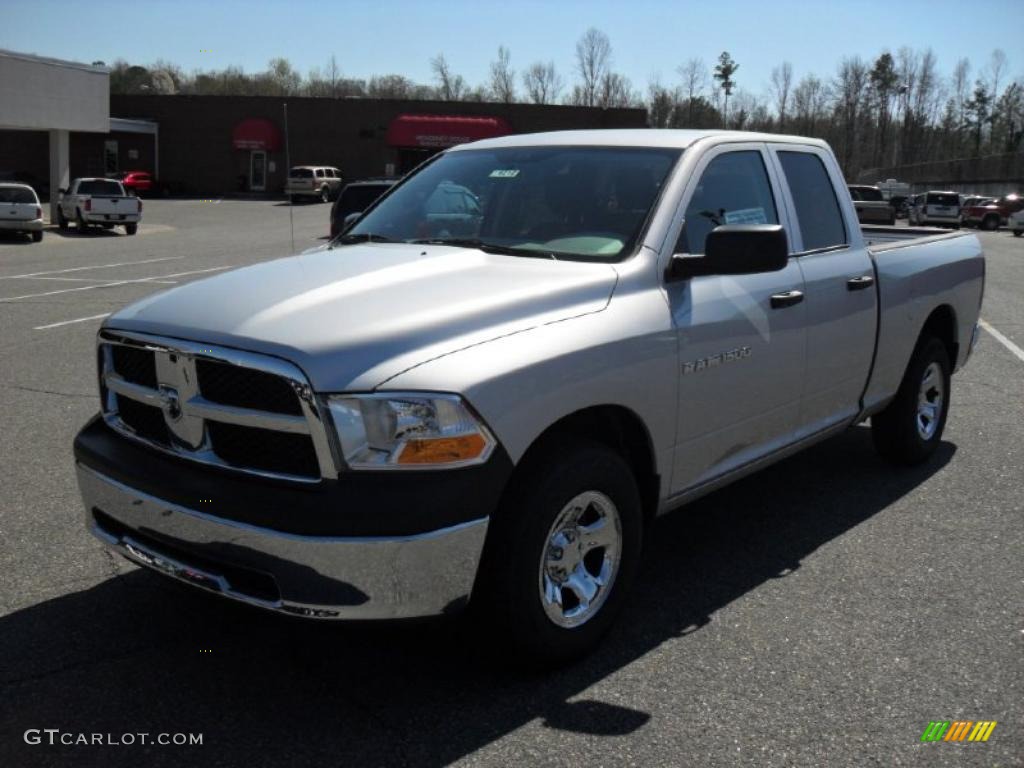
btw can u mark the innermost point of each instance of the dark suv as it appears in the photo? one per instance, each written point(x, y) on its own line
point(356, 198)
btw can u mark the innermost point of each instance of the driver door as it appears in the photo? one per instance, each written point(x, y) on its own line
point(741, 338)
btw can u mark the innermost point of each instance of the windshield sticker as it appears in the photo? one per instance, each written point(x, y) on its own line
point(505, 174)
point(746, 216)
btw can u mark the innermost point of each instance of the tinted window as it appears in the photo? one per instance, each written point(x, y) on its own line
point(319, 173)
point(866, 194)
point(937, 198)
point(817, 209)
point(100, 187)
point(17, 195)
point(734, 189)
point(300, 173)
point(587, 202)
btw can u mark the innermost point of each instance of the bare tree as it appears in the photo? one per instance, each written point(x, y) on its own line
point(694, 76)
point(332, 75)
point(450, 87)
point(503, 77)
point(782, 80)
point(961, 89)
point(997, 68)
point(724, 70)
point(850, 85)
point(593, 60)
point(542, 83)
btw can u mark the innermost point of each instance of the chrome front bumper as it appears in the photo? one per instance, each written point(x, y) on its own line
point(317, 577)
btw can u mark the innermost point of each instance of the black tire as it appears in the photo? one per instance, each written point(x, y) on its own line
point(990, 224)
point(293, 199)
point(325, 194)
point(895, 430)
point(62, 222)
point(131, 229)
point(79, 221)
point(1018, 232)
point(507, 596)
point(37, 237)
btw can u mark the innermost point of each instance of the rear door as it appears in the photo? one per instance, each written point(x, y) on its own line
point(18, 204)
point(741, 337)
point(839, 286)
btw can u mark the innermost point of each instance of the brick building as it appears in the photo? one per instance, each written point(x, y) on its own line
point(219, 145)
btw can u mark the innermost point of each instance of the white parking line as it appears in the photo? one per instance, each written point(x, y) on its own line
point(97, 266)
point(84, 279)
point(1014, 349)
point(69, 322)
point(154, 278)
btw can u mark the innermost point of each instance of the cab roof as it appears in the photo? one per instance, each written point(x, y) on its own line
point(669, 138)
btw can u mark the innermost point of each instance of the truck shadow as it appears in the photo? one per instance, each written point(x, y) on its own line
point(138, 654)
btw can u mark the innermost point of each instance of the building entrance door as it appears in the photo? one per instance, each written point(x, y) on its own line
point(257, 170)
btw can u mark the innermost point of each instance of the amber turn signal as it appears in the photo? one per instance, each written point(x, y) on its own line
point(443, 450)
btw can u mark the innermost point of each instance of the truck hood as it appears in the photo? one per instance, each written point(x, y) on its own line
point(355, 316)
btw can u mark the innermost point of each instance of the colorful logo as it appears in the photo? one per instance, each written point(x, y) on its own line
point(958, 730)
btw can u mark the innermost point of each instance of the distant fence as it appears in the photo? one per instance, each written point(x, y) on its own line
point(986, 175)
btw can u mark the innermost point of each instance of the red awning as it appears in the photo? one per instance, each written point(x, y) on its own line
point(256, 133)
point(443, 130)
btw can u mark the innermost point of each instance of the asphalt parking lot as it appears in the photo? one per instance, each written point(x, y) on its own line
point(819, 613)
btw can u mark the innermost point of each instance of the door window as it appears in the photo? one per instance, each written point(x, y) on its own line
point(734, 189)
point(817, 209)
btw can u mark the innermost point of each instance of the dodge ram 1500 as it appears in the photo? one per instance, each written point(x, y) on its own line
point(484, 390)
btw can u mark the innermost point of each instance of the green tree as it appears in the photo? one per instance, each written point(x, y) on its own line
point(724, 70)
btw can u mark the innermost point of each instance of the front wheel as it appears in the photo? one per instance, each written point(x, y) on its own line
point(325, 194)
point(1018, 232)
point(991, 224)
point(80, 221)
point(910, 428)
point(62, 221)
point(562, 552)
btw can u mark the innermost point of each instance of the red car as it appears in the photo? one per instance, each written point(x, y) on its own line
point(137, 181)
point(991, 214)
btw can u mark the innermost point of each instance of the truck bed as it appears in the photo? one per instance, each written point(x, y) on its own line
point(882, 238)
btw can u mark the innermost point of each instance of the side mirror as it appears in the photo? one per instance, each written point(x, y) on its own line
point(735, 249)
point(350, 219)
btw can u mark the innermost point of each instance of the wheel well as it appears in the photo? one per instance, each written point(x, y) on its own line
point(941, 324)
point(620, 429)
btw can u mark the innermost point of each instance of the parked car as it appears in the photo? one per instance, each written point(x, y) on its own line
point(404, 422)
point(314, 181)
point(20, 210)
point(975, 210)
point(355, 197)
point(136, 182)
point(997, 212)
point(871, 206)
point(1016, 223)
point(900, 205)
point(101, 202)
point(936, 209)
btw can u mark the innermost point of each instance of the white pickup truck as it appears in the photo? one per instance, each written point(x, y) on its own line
point(490, 404)
point(101, 202)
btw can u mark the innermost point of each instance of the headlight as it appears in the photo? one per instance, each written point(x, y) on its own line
point(415, 431)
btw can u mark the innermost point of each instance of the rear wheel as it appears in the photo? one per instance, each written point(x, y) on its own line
point(62, 221)
point(37, 237)
point(79, 221)
point(1018, 232)
point(991, 223)
point(325, 194)
point(131, 229)
point(562, 552)
point(910, 428)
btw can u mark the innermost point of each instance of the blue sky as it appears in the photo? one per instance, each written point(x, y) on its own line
point(383, 36)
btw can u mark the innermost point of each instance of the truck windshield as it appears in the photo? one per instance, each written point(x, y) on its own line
point(575, 202)
point(867, 194)
point(99, 187)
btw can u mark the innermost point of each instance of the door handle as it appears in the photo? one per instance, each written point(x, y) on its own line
point(786, 299)
point(860, 283)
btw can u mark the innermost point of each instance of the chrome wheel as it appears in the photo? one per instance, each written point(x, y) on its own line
point(930, 398)
point(580, 559)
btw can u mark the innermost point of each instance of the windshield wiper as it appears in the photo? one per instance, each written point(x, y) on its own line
point(362, 237)
point(472, 242)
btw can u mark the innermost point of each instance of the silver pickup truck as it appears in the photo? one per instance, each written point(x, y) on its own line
point(98, 202)
point(488, 405)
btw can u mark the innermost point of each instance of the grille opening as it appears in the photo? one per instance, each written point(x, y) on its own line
point(246, 388)
point(146, 421)
point(264, 449)
point(135, 365)
point(244, 580)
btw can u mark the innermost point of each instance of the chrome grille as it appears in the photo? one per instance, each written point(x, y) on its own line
point(214, 405)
